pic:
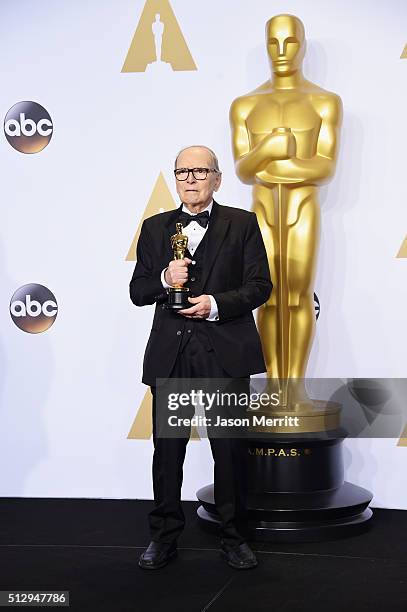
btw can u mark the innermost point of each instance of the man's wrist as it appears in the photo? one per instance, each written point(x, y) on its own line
point(164, 280)
point(213, 315)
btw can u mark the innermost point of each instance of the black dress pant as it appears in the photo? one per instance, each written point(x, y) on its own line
point(167, 520)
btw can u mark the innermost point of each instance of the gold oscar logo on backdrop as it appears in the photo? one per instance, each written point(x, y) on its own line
point(404, 53)
point(403, 249)
point(158, 42)
point(160, 200)
point(403, 438)
point(142, 426)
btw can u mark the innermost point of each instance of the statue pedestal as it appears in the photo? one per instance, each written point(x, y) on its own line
point(297, 492)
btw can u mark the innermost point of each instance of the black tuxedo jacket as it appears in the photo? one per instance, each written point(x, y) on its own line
point(235, 272)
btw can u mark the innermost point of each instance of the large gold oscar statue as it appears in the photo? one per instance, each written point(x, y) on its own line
point(285, 137)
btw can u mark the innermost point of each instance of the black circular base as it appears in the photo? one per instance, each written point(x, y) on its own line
point(297, 491)
point(295, 464)
point(177, 299)
point(176, 306)
point(298, 517)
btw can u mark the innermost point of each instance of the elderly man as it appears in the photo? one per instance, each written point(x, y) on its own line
point(227, 273)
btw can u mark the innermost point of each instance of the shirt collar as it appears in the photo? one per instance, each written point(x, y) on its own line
point(208, 208)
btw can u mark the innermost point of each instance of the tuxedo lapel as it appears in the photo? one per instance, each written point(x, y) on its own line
point(217, 229)
point(170, 223)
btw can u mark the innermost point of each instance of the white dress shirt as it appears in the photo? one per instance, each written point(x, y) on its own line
point(195, 233)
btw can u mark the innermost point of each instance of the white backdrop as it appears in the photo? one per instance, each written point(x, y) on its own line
point(69, 213)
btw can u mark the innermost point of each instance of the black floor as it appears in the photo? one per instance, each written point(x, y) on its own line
point(91, 548)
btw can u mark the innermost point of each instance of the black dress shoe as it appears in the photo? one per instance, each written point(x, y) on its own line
point(157, 555)
point(239, 557)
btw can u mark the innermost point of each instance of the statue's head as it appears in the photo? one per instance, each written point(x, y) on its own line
point(285, 39)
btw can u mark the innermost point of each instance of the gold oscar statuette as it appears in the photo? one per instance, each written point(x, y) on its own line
point(285, 140)
point(178, 295)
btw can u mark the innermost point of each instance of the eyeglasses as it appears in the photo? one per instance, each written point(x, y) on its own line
point(199, 174)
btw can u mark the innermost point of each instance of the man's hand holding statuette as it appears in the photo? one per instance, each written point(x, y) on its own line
point(177, 272)
point(201, 307)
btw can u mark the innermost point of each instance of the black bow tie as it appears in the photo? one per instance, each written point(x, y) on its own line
point(202, 218)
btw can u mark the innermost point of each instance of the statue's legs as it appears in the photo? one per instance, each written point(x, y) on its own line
point(267, 316)
point(287, 321)
point(302, 250)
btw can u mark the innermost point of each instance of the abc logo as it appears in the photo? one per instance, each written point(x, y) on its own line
point(28, 127)
point(33, 308)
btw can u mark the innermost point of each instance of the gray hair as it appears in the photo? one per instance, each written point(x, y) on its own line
point(212, 153)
